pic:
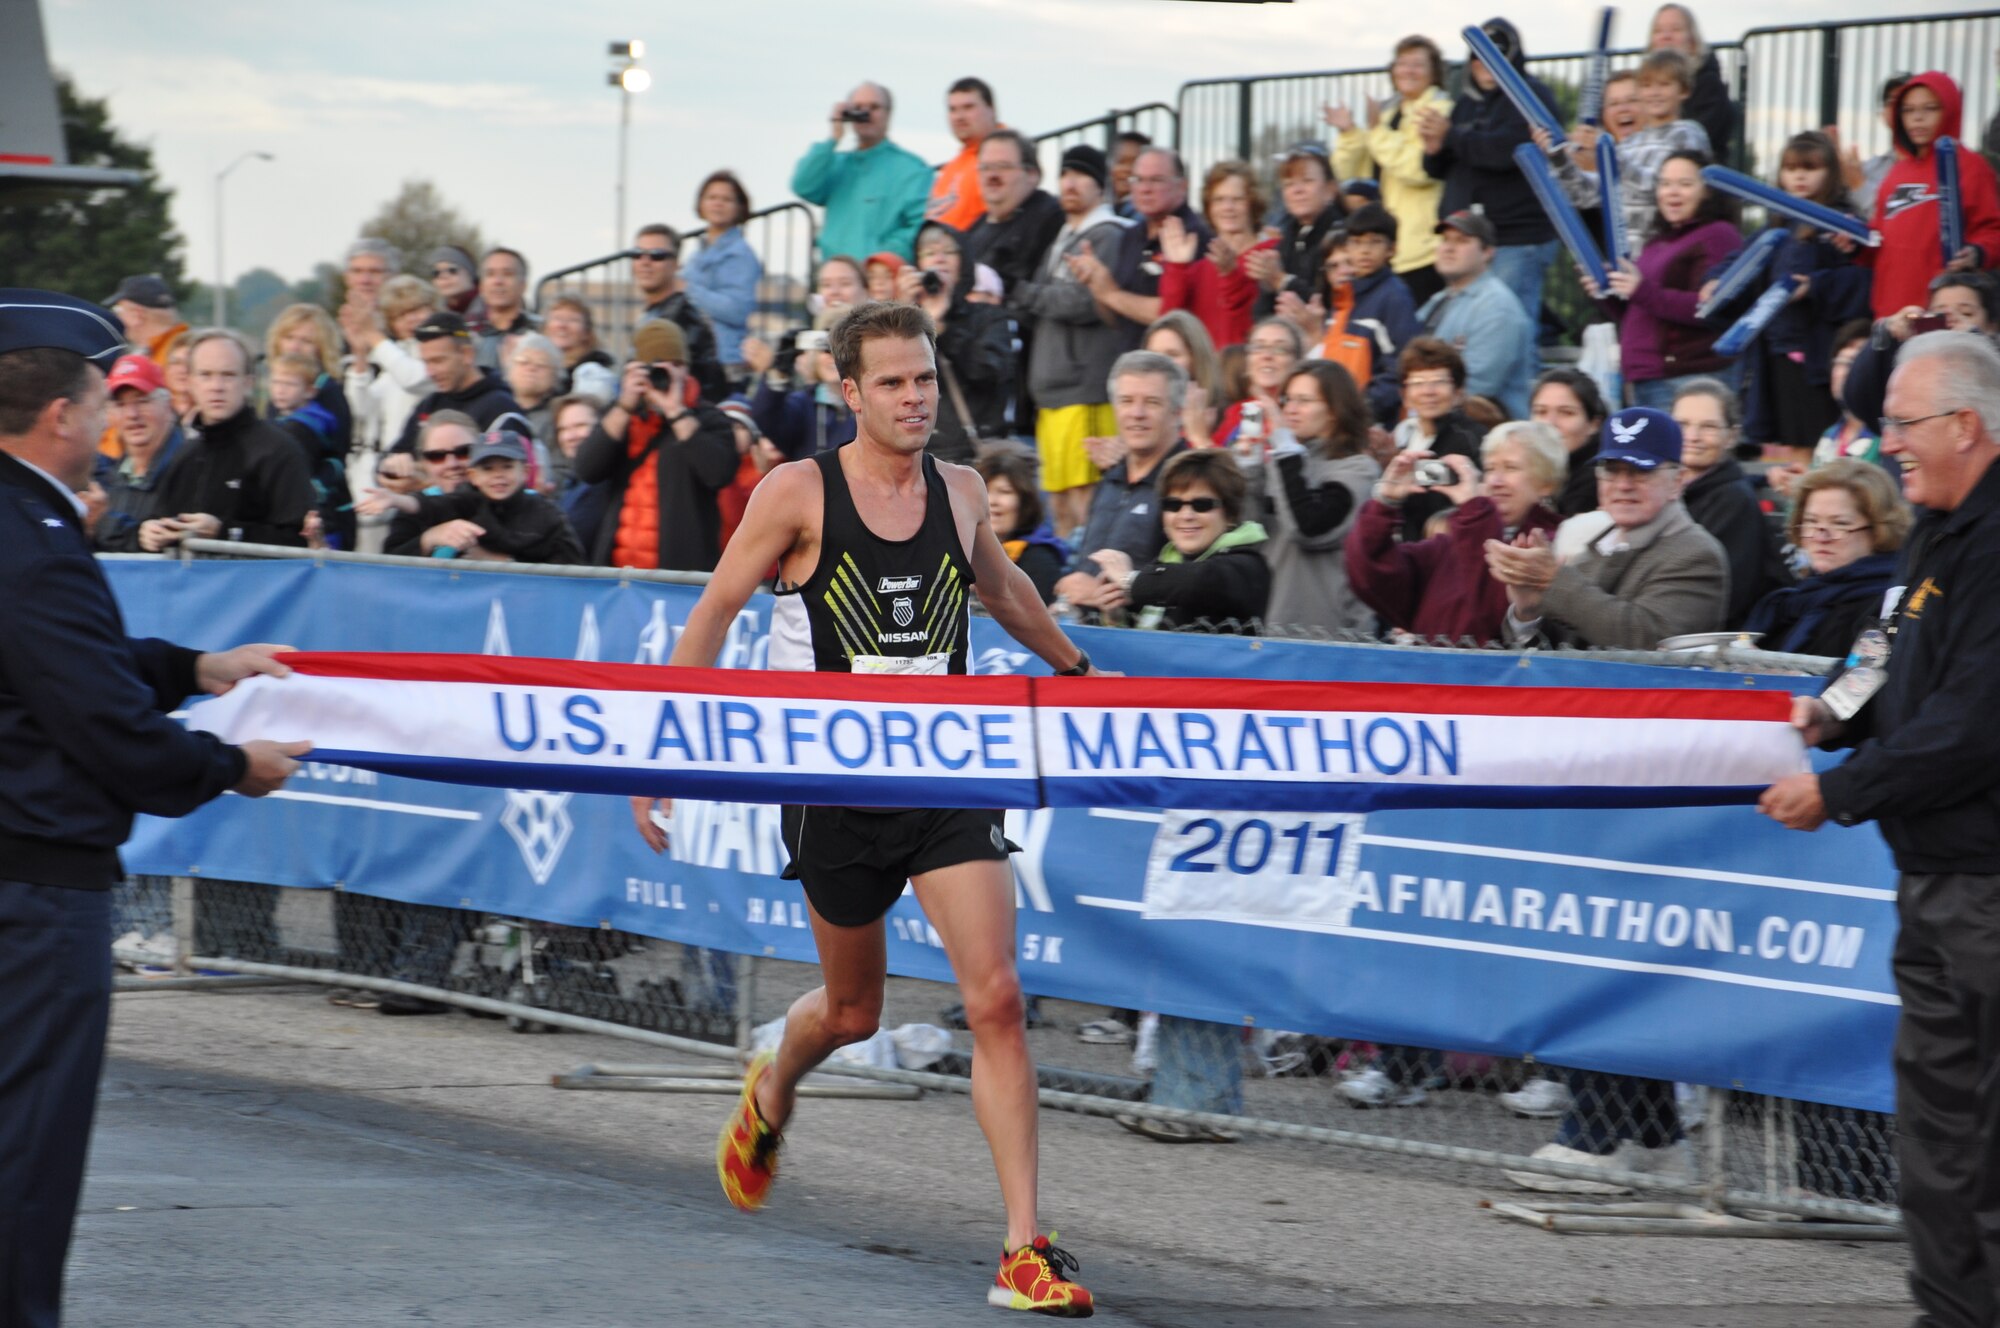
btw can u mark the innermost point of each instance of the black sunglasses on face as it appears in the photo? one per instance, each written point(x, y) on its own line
point(658, 255)
point(1203, 505)
point(460, 453)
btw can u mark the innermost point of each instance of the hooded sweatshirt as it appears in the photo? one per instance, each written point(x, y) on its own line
point(1223, 589)
point(1906, 209)
point(1476, 160)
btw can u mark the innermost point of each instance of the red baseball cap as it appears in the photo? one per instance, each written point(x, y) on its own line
point(135, 371)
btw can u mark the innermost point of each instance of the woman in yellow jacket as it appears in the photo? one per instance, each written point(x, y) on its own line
point(1390, 150)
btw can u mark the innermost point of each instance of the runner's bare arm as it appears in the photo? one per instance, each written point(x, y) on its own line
point(779, 509)
point(772, 524)
point(1003, 588)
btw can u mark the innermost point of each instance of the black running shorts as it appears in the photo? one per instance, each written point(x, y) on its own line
point(853, 862)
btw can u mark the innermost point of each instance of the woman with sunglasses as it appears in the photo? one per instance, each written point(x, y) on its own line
point(455, 277)
point(1849, 521)
point(1211, 575)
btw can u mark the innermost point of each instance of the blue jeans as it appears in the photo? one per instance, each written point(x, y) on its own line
point(1522, 268)
point(1659, 393)
point(1200, 1066)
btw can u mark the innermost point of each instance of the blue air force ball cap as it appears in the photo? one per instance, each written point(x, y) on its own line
point(1641, 436)
point(44, 320)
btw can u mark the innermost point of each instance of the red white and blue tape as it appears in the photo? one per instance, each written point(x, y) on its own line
point(899, 741)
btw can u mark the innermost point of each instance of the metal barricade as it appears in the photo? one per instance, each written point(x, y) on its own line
point(1156, 120)
point(782, 237)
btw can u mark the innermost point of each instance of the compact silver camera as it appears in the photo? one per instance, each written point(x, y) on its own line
point(1433, 474)
point(811, 339)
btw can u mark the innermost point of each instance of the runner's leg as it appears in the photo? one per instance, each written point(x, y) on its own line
point(853, 963)
point(972, 906)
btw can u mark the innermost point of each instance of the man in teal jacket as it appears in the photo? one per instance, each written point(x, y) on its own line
point(874, 196)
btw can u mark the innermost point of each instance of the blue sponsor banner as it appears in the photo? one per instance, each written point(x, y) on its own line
point(1700, 944)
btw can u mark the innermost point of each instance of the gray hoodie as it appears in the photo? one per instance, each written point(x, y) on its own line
point(1309, 586)
point(1073, 348)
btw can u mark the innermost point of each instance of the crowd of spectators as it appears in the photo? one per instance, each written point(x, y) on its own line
point(1357, 327)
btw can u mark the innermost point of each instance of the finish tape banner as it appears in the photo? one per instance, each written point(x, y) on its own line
point(847, 740)
point(1698, 943)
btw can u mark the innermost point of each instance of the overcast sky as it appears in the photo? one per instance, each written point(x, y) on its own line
point(505, 104)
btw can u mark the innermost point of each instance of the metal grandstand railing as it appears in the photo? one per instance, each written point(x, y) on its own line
point(782, 237)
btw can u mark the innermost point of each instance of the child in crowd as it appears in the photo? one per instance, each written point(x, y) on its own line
point(291, 391)
point(516, 523)
point(1665, 82)
point(1788, 399)
point(1370, 313)
point(882, 270)
point(1906, 210)
point(1849, 437)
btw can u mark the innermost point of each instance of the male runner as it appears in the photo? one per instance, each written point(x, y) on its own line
point(876, 545)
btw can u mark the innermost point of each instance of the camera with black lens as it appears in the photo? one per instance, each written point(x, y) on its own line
point(660, 378)
point(786, 359)
point(932, 283)
point(1433, 475)
point(856, 115)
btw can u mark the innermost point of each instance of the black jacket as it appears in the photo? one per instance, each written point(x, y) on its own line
point(1928, 762)
point(485, 399)
point(1015, 246)
point(1579, 490)
point(1723, 504)
point(526, 526)
point(1710, 107)
point(1477, 163)
point(1299, 252)
point(85, 741)
point(689, 473)
point(247, 473)
point(704, 361)
point(1224, 593)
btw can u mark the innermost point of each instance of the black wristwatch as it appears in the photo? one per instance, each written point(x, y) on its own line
point(1076, 670)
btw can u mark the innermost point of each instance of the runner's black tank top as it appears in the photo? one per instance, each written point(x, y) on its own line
point(875, 605)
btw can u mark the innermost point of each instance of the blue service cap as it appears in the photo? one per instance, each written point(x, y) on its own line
point(44, 320)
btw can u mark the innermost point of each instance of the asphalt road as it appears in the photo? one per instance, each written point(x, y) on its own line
point(263, 1158)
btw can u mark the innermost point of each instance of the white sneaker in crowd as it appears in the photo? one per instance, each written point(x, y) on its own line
point(1671, 1162)
point(1576, 1157)
point(1538, 1099)
point(1146, 1051)
point(1373, 1088)
point(1106, 1032)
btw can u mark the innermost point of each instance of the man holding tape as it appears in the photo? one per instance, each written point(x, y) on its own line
point(1918, 700)
point(84, 744)
point(878, 548)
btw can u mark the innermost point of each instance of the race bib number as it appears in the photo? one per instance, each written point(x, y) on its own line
point(920, 664)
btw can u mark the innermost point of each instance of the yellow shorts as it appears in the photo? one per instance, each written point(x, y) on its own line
point(1059, 435)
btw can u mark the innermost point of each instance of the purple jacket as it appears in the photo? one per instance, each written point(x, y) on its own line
point(1658, 334)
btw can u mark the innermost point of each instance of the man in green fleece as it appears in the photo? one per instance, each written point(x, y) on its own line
point(874, 196)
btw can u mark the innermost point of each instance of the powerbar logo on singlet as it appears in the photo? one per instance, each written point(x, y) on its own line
point(895, 614)
point(1906, 196)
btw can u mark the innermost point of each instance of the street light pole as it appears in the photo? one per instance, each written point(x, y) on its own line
point(629, 77)
point(221, 280)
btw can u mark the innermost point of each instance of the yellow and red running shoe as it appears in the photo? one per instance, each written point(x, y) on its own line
point(1032, 1278)
point(746, 1156)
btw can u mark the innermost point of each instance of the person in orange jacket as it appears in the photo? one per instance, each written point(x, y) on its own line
point(956, 199)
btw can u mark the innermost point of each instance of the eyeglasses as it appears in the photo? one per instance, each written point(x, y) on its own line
point(1415, 382)
point(1203, 505)
point(1289, 400)
point(1705, 430)
point(1269, 347)
point(446, 270)
point(463, 452)
point(1625, 470)
point(657, 255)
point(1000, 168)
point(1831, 530)
point(1890, 424)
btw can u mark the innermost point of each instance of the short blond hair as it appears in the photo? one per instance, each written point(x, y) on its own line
point(1548, 459)
point(326, 338)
